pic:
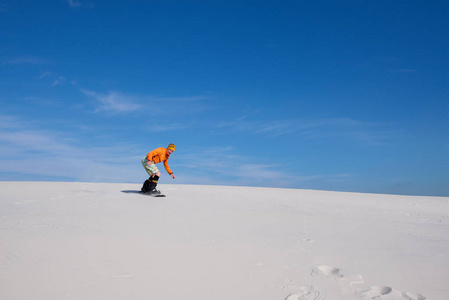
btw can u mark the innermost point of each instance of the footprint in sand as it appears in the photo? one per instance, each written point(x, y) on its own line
point(330, 272)
point(350, 284)
point(327, 271)
point(386, 292)
point(377, 292)
point(381, 292)
point(308, 240)
point(307, 293)
point(413, 296)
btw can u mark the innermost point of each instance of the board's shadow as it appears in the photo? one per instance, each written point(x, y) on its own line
point(132, 192)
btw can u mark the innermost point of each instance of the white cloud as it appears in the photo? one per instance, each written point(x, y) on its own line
point(169, 107)
point(84, 4)
point(44, 75)
point(186, 99)
point(50, 76)
point(112, 102)
point(25, 60)
point(313, 128)
point(407, 70)
point(59, 81)
point(177, 106)
point(9, 122)
point(223, 166)
point(28, 151)
point(33, 141)
point(167, 126)
point(231, 168)
point(54, 154)
point(74, 3)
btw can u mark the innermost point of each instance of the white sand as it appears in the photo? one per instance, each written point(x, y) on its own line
point(104, 241)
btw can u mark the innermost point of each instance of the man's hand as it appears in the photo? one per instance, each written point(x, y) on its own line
point(172, 175)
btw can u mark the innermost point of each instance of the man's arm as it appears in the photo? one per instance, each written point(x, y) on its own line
point(169, 171)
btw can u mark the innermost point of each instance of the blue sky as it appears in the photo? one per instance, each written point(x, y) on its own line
point(330, 95)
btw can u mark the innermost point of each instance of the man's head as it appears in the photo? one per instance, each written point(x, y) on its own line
point(170, 149)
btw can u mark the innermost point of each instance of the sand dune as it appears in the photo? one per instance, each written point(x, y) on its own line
point(105, 241)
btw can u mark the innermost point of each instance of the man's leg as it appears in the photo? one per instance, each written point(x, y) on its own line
point(146, 186)
point(150, 184)
point(151, 169)
point(153, 182)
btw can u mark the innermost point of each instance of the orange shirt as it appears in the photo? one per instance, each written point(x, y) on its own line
point(160, 155)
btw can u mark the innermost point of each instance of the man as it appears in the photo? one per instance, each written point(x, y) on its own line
point(149, 163)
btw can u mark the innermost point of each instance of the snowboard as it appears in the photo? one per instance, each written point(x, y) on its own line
point(152, 195)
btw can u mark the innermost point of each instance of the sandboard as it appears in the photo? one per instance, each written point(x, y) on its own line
point(152, 195)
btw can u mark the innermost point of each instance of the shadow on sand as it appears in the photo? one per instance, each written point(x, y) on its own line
point(132, 192)
point(139, 192)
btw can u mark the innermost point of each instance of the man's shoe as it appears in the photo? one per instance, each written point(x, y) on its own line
point(154, 192)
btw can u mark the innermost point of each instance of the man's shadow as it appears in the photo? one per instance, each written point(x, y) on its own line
point(132, 192)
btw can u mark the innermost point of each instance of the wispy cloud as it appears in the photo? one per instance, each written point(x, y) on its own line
point(117, 102)
point(52, 154)
point(59, 81)
point(227, 163)
point(32, 140)
point(221, 165)
point(186, 99)
point(25, 60)
point(55, 78)
point(178, 106)
point(312, 128)
point(168, 127)
point(407, 70)
point(24, 138)
point(42, 102)
point(74, 3)
point(112, 102)
point(44, 75)
point(225, 166)
point(10, 122)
